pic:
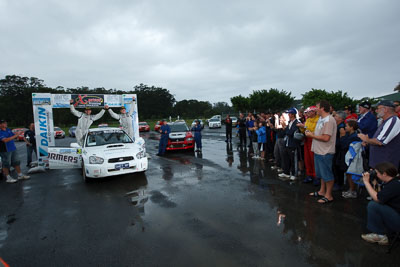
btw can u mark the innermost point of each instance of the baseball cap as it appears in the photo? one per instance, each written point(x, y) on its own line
point(348, 108)
point(292, 111)
point(2, 121)
point(386, 103)
point(123, 107)
point(365, 104)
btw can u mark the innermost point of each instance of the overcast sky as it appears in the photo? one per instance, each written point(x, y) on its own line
point(205, 50)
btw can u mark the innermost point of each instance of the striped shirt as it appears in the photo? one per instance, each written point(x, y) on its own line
point(388, 133)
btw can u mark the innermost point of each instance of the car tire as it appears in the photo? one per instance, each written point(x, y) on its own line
point(85, 178)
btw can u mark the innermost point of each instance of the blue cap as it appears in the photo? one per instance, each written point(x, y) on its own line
point(292, 111)
point(386, 103)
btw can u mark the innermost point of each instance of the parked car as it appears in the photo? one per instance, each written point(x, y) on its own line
point(234, 121)
point(71, 131)
point(201, 123)
point(105, 152)
point(144, 127)
point(157, 126)
point(180, 138)
point(59, 133)
point(214, 123)
point(103, 125)
point(20, 132)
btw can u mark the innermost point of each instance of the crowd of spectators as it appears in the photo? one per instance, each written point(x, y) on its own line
point(334, 150)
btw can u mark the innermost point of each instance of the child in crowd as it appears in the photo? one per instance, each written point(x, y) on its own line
point(262, 139)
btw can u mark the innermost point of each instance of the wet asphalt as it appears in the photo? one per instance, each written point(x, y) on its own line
point(218, 208)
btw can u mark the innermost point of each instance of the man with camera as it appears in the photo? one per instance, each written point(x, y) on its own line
point(384, 209)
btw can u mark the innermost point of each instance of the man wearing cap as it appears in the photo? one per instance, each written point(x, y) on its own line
point(350, 114)
point(397, 107)
point(125, 119)
point(84, 122)
point(367, 122)
point(291, 144)
point(385, 143)
point(165, 130)
point(8, 153)
point(311, 123)
point(323, 146)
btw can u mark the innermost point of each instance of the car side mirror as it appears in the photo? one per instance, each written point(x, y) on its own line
point(75, 145)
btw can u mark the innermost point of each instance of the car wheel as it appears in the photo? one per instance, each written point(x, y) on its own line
point(85, 178)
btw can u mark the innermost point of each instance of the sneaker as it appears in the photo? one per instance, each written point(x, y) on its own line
point(274, 167)
point(22, 176)
point(350, 194)
point(279, 170)
point(255, 157)
point(375, 238)
point(293, 178)
point(11, 180)
point(345, 192)
point(284, 175)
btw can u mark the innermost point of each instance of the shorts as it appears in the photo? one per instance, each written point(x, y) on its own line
point(262, 147)
point(323, 166)
point(10, 159)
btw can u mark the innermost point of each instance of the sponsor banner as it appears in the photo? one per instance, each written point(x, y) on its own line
point(127, 101)
point(44, 129)
point(64, 158)
point(87, 100)
point(113, 100)
point(60, 100)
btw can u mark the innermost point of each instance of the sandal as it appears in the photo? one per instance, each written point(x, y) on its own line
point(324, 200)
point(315, 194)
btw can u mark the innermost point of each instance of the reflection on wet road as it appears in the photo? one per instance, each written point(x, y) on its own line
point(218, 208)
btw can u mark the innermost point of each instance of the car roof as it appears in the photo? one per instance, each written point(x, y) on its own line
point(103, 129)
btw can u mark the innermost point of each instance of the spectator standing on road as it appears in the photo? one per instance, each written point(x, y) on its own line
point(337, 168)
point(311, 122)
point(384, 146)
point(125, 119)
point(250, 120)
point(349, 114)
point(242, 129)
point(261, 139)
point(397, 108)
point(228, 129)
point(197, 135)
point(84, 122)
point(256, 151)
point(323, 146)
point(165, 130)
point(291, 144)
point(367, 122)
point(280, 143)
point(384, 208)
point(30, 140)
point(8, 153)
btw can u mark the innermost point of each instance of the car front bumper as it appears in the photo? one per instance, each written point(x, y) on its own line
point(108, 169)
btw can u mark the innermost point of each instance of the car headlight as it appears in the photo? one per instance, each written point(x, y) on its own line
point(141, 154)
point(95, 160)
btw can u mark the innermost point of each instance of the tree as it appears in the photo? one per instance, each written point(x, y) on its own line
point(240, 103)
point(191, 108)
point(337, 99)
point(273, 100)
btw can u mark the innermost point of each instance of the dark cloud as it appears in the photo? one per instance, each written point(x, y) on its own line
point(209, 50)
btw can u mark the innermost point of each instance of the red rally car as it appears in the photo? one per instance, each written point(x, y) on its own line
point(144, 127)
point(180, 137)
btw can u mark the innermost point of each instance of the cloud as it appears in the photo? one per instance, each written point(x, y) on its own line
point(208, 50)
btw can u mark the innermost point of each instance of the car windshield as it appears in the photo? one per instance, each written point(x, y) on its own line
point(73, 128)
point(179, 127)
point(57, 129)
point(214, 119)
point(234, 118)
point(142, 123)
point(107, 137)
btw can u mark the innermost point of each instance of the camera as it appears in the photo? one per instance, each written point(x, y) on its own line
point(372, 176)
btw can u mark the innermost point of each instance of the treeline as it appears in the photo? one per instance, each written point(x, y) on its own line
point(274, 100)
point(153, 102)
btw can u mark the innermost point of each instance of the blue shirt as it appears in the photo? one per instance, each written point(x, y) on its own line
point(9, 146)
point(197, 130)
point(367, 123)
point(262, 135)
point(249, 124)
point(165, 128)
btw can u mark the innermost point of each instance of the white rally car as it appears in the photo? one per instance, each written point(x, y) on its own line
point(105, 152)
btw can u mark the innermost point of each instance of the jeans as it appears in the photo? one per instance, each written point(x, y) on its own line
point(29, 150)
point(382, 219)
